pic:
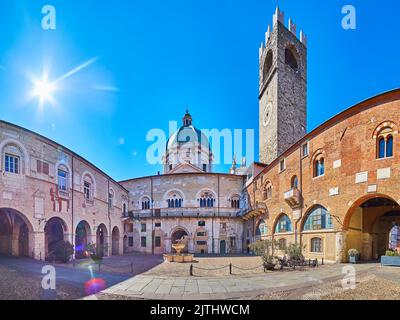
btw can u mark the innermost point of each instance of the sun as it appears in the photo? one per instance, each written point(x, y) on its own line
point(43, 90)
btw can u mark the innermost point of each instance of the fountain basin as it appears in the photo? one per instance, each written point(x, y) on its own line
point(181, 258)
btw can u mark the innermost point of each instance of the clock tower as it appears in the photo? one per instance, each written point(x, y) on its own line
point(282, 88)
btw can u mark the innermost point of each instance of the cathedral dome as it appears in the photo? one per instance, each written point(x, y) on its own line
point(188, 145)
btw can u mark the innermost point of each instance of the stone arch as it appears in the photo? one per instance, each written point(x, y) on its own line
point(55, 230)
point(292, 57)
point(115, 234)
point(367, 225)
point(178, 233)
point(267, 66)
point(207, 190)
point(21, 147)
point(83, 236)
point(16, 233)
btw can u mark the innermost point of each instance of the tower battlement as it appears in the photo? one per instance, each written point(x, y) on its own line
point(279, 17)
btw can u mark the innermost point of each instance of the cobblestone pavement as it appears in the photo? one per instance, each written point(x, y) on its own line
point(151, 286)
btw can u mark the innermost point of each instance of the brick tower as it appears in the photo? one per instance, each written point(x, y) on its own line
point(282, 88)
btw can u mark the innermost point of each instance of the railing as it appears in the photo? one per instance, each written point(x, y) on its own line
point(184, 212)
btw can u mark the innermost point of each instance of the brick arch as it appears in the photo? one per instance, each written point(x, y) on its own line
point(383, 125)
point(359, 202)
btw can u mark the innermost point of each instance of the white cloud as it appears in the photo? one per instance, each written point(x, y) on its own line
point(121, 141)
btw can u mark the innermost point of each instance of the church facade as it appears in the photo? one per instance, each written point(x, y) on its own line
point(333, 189)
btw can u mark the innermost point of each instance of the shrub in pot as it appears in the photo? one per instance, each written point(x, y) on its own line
point(265, 249)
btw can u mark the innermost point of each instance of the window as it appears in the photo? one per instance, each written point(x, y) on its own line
point(201, 223)
point(87, 190)
point(222, 227)
point(207, 200)
point(62, 180)
point(204, 167)
point(295, 182)
point(11, 163)
point(201, 234)
point(319, 167)
point(42, 167)
point(282, 244)
point(283, 224)
point(124, 208)
point(157, 224)
point(267, 65)
point(318, 219)
point(110, 199)
point(267, 192)
point(143, 227)
point(130, 241)
point(290, 59)
point(157, 241)
point(143, 242)
point(174, 200)
point(385, 143)
point(262, 228)
point(145, 203)
point(235, 202)
point(282, 165)
point(304, 150)
point(316, 245)
point(201, 243)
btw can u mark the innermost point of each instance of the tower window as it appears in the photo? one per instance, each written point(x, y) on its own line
point(267, 65)
point(290, 59)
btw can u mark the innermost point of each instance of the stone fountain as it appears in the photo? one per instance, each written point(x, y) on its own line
point(179, 256)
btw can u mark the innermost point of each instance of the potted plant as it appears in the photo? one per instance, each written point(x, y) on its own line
point(265, 249)
point(391, 258)
point(63, 251)
point(353, 255)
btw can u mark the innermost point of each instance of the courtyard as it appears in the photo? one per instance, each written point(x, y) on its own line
point(138, 276)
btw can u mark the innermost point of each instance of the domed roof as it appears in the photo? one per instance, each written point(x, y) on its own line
point(187, 134)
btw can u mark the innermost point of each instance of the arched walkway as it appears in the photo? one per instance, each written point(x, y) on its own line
point(115, 241)
point(55, 231)
point(15, 233)
point(102, 240)
point(82, 239)
point(368, 225)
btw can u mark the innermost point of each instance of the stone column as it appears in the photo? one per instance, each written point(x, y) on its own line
point(37, 245)
point(340, 244)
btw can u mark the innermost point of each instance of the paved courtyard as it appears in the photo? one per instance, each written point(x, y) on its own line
point(176, 283)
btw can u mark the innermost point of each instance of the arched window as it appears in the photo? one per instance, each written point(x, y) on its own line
point(319, 167)
point(267, 191)
point(318, 219)
point(206, 200)
point(235, 202)
point(267, 65)
point(62, 178)
point(174, 200)
point(88, 189)
point(295, 182)
point(145, 203)
point(110, 198)
point(13, 159)
point(385, 143)
point(316, 245)
point(282, 244)
point(290, 59)
point(283, 224)
point(262, 228)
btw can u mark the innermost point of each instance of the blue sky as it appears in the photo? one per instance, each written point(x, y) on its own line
point(154, 58)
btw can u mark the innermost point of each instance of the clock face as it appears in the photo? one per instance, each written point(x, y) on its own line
point(267, 114)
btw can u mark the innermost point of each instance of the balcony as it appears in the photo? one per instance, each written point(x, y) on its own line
point(186, 212)
point(293, 198)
